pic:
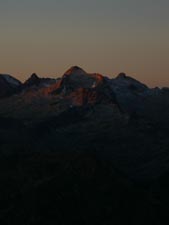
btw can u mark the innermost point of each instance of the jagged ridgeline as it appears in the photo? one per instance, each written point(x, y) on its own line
point(75, 88)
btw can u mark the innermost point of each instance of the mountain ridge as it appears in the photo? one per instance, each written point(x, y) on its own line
point(70, 71)
point(75, 88)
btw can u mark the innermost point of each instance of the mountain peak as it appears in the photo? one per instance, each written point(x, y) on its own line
point(122, 75)
point(34, 76)
point(32, 80)
point(75, 70)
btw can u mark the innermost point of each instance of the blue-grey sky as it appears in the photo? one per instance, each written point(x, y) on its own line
point(105, 36)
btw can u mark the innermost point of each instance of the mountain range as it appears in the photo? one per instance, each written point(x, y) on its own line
point(83, 149)
point(78, 88)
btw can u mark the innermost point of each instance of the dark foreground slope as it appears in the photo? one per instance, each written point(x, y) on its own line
point(76, 189)
point(84, 150)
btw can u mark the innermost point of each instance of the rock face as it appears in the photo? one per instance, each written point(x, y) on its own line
point(8, 85)
point(84, 96)
point(83, 88)
point(129, 92)
point(75, 78)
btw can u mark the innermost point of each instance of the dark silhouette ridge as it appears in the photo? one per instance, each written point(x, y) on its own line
point(121, 75)
point(33, 80)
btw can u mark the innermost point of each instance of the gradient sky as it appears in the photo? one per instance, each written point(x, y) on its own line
point(105, 36)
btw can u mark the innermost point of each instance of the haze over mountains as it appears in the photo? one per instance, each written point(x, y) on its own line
point(70, 140)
